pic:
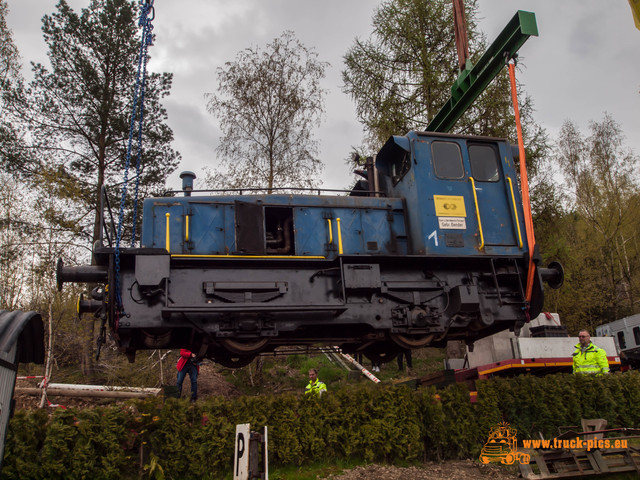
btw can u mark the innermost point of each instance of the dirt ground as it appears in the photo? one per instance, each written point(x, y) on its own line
point(452, 470)
point(210, 383)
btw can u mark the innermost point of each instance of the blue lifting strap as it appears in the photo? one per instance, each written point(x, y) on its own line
point(147, 14)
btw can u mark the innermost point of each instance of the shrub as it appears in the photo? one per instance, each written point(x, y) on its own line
point(367, 422)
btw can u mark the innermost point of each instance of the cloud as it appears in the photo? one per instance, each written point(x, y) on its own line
point(583, 63)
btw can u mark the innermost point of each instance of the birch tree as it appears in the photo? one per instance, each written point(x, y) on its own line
point(268, 102)
point(602, 184)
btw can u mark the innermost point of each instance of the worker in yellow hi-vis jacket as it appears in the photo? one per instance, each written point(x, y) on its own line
point(315, 386)
point(588, 358)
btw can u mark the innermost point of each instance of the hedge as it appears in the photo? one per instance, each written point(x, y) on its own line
point(176, 439)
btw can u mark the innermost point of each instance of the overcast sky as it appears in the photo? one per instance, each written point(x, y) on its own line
point(584, 63)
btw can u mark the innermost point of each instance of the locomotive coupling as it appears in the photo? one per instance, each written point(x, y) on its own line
point(553, 275)
point(87, 306)
point(80, 274)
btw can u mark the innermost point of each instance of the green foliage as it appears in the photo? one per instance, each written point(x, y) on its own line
point(77, 111)
point(27, 432)
point(586, 218)
point(369, 423)
point(294, 361)
point(318, 469)
point(540, 404)
point(9, 56)
point(64, 137)
point(401, 76)
point(463, 436)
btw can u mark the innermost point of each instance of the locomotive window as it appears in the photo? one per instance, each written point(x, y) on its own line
point(621, 341)
point(447, 160)
point(400, 166)
point(484, 163)
point(636, 335)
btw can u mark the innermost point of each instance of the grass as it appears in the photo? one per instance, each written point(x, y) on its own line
point(289, 373)
point(268, 374)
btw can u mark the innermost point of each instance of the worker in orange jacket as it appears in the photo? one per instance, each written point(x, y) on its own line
point(188, 364)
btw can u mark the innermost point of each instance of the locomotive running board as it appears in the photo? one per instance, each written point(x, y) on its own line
point(243, 307)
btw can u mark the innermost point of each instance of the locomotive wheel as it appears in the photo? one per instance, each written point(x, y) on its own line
point(411, 341)
point(244, 347)
point(381, 352)
point(234, 361)
point(380, 357)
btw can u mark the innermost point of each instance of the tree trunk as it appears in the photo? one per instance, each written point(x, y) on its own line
point(47, 368)
point(86, 363)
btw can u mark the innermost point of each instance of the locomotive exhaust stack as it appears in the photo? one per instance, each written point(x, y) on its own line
point(187, 182)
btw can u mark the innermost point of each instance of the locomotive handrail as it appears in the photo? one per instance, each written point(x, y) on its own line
point(515, 212)
point(475, 199)
point(269, 190)
point(330, 231)
point(262, 257)
point(167, 239)
point(252, 307)
point(340, 251)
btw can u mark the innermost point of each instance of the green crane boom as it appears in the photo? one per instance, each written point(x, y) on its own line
point(474, 79)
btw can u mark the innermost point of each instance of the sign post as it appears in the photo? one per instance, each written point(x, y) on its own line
point(241, 457)
point(247, 458)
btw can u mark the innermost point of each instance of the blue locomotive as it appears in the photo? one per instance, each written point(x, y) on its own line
point(431, 248)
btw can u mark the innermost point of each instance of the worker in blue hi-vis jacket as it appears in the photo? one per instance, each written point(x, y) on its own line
point(315, 386)
point(588, 358)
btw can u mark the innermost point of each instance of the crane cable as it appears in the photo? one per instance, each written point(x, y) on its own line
point(524, 182)
point(147, 14)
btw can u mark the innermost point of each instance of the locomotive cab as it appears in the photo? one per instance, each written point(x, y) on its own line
point(464, 190)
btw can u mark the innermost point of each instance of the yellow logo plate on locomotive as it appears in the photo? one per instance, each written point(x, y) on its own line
point(449, 206)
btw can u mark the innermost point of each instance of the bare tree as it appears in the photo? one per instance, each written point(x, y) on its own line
point(268, 102)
